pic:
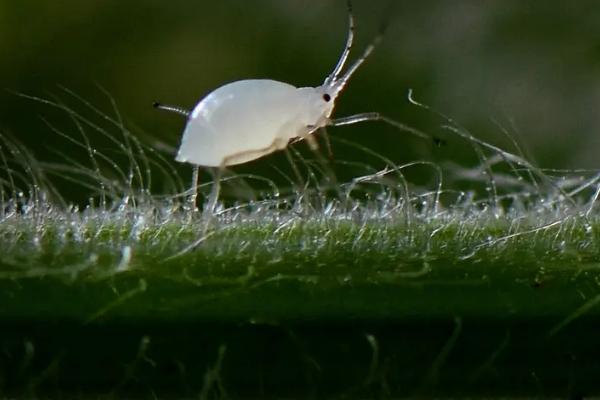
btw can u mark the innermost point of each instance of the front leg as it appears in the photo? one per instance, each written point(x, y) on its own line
point(375, 116)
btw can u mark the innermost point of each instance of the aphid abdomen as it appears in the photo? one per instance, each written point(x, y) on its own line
point(239, 122)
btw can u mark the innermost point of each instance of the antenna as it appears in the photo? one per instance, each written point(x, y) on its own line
point(342, 61)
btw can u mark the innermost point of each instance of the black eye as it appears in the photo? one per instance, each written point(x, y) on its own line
point(326, 97)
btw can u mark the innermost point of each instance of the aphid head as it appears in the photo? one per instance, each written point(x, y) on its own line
point(336, 81)
point(318, 105)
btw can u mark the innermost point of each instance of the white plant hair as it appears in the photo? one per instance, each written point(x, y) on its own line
point(525, 199)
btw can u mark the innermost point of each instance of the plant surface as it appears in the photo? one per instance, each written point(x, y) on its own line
point(370, 287)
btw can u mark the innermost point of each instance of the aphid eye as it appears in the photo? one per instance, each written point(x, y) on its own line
point(326, 97)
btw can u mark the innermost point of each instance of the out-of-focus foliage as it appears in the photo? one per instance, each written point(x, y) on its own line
point(530, 68)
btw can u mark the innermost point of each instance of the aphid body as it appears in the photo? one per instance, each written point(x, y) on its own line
point(247, 119)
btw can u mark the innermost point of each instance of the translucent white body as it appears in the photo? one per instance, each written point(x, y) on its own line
point(247, 119)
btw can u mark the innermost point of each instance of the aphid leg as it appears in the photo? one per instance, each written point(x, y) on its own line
point(292, 162)
point(194, 194)
point(312, 143)
point(330, 159)
point(211, 203)
point(328, 173)
point(375, 116)
point(175, 109)
point(327, 143)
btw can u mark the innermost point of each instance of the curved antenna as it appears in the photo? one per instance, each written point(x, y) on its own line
point(340, 64)
point(339, 84)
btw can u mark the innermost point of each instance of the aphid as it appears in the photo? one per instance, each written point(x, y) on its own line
point(248, 119)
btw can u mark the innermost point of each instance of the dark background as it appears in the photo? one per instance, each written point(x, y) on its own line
point(532, 66)
point(528, 67)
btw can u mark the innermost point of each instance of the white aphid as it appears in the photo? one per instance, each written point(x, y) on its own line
point(248, 119)
point(245, 120)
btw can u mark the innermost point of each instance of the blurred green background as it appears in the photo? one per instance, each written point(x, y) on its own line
point(530, 67)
